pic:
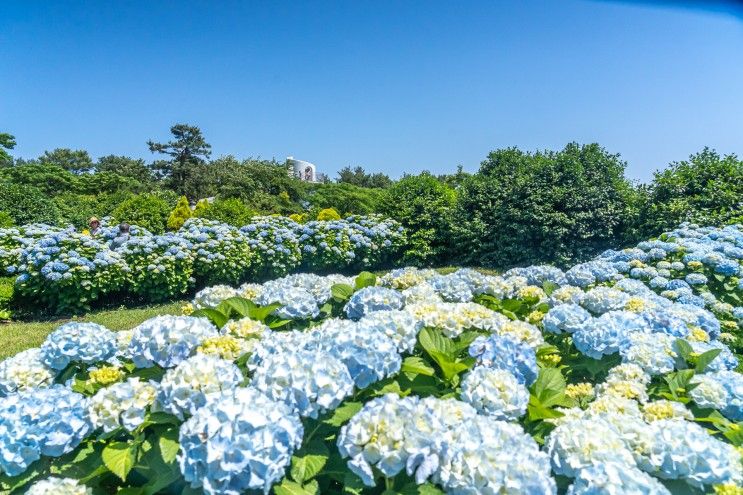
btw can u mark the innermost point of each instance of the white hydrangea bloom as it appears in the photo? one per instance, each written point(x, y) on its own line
point(495, 392)
point(122, 404)
point(24, 371)
point(59, 486)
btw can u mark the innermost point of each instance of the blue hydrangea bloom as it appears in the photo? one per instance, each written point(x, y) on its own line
point(240, 440)
point(50, 421)
point(168, 340)
point(370, 299)
point(607, 334)
point(78, 342)
point(565, 318)
point(296, 303)
point(506, 353)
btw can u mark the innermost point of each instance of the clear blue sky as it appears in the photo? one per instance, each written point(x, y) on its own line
point(394, 86)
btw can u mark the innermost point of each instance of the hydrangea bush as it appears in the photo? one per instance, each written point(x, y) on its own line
point(66, 271)
point(592, 380)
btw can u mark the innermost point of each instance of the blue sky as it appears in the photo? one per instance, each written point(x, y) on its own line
point(394, 86)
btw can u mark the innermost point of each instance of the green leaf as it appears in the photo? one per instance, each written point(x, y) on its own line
point(549, 287)
point(684, 349)
point(704, 359)
point(308, 464)
point(216, 317)
point(169, 445)
point(549, 388)
point(291, 488)
point(119, 458)
point(260, 313)
point(365, 279)
point(416, 365)
point(424, 489)
point(432, 340)
point(341, 292)
point(240, 305)
point(343, 413)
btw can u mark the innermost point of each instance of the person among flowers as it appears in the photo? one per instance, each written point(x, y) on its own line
point(94, 227)
point(121, 237)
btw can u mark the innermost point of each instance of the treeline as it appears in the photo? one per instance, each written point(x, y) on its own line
point(518, 208)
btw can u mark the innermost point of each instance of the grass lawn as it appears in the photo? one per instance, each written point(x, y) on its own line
point(18, 336)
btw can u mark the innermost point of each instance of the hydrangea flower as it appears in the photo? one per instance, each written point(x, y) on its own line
point(210, 297)
point(24, 371)
point(309, 383)
point(580, 443)
point(186, 387)
point(494, 457)
point(653, 352)
point(505, 353)
point(168, 340)
point(495, 392)
point(369, 357)
point(122, 404)
point(48, 421)
point(566, 318)
point(78, 342)
point(400, 326)
point(240, 440)
point(600, 300)
point(611, 477)
point(607, 334)
point(370, 299)
point(59, 486)
point(296, 303)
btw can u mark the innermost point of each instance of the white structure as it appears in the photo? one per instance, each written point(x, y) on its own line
point(301, 169)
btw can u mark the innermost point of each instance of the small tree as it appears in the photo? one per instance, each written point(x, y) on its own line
point(7, 142)
point(202, 206)
point(76, 161)
point(188, 149)
point(180, 214)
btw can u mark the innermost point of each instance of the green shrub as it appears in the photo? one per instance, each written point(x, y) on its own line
point(27, 204)
point(706, 189)
point(230, 210)
point(180, 214)
point(423, 205)
point(145, 210)
point(76, 209)
point(345, 198)
point(328, 214)
point(546, 207)
point(6, 295)
point(6, 220)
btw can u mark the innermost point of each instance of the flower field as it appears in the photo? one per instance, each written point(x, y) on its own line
point(615, 376)
point(67, 271)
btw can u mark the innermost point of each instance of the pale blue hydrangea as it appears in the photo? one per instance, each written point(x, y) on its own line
point(296, 303)
point(506, 353)
point(369, 357)
point(489, 456)
point(580, 275)
point(653, 352)
point(240, 440)
point(370, 299)
point(309, 383)
point(400, 326)
point(663, 321)
point(728, 268)
point(709, 392)
point(78, 343)
point(210, 297)
point(607, 334)
point(578, 443)
point(375, 437)
point(59, 486)
point(123, 404)
point(684, 450)
point(168, 340)
point(600, 300)
point(566, 318)
point(452, 288)
point(49, 421)
point(609, 478)
point(495, 392)
point(187, 387)
point(24, 371)
point(539, 274)
point(696, 279)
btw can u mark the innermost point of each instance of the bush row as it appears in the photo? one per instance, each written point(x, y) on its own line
point(63, 270)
